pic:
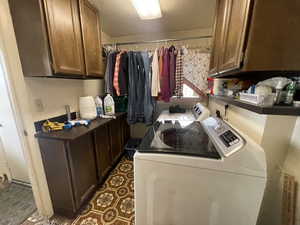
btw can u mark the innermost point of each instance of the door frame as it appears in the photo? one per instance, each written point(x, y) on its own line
point(13, 75)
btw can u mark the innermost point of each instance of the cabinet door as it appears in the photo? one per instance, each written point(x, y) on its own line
point(219, 27)
point(91, 38)
point(103, 153)
point(65, 37)
point(83, 168)
point(237, 12)
point(116, 138)
point(59, 178)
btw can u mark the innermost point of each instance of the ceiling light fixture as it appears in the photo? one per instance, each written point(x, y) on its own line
point(147, 9)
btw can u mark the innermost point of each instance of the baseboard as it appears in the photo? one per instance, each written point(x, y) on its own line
point(21, 183)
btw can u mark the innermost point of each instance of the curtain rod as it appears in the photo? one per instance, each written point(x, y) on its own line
point(158, 41)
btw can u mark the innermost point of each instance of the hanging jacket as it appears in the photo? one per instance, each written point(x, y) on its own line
point(148, 103)
point(111, 72)
point(136, 88)
point(116, 74)
point(107, 75)
point(172, 52)
point(123, 75)
point(165, 91)
point(155, 81)
point(161, 67)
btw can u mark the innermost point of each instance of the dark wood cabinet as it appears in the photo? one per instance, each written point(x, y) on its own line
point(60, 38)
point(103, 151)
point(82, 167)
point(251, 36)
point(229, 35)
point(78, 160)
point(116, 129)
point(59, 178)
point(65, 39)
point(219, 27)
point(91, 38)
point(235, 23)
point(71, 172)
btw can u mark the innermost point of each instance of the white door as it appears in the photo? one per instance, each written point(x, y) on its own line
point(4, 169)
point(10, 136)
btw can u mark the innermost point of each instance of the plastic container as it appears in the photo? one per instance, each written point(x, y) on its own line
point(87, 108)
point(99, 106)
point(109, 105)
point(130, 147)
point(256, 99)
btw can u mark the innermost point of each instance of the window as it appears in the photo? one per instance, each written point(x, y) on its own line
point(189, 92)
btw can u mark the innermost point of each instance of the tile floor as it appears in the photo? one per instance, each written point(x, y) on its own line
point(16, 203)
point(112, 204)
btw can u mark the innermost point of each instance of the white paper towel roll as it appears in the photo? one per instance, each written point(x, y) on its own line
point(93, 87)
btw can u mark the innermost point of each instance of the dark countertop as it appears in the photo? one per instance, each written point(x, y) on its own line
point(267, 110)
point(75, 132)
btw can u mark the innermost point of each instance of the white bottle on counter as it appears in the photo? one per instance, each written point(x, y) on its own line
point(99, 106)
point(109, 105)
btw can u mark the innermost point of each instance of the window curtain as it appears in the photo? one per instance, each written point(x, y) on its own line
point(195, 69)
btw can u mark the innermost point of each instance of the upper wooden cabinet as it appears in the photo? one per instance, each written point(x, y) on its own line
point(65, 37)
point(218, 37)
point(236, 18)
point(59, 38)
point(250, 36)
point(91, 38)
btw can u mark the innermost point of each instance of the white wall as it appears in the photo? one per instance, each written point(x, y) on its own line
point(276, 140)
point(48, 96)
point(251, 123)
point(106, 39)
point(292, 163)
point(53, 94)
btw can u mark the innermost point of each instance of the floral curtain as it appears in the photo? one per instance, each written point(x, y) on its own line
point(195, 69)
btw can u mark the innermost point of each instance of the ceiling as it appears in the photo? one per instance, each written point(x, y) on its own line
point(119, 17)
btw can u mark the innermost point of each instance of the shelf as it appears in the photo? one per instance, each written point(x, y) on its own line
point(270, 110)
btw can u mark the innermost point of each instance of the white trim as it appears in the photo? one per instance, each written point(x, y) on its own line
point(9, 56)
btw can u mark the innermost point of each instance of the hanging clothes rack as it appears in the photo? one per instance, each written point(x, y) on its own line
point(158, 41)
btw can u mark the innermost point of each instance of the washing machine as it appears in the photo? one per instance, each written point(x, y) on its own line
point(198, 173)
point(198, 112)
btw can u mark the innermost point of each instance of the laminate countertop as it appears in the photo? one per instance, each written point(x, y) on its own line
point(75, 132)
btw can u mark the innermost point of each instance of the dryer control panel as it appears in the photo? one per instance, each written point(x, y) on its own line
point(200, 112)
point(225, 138)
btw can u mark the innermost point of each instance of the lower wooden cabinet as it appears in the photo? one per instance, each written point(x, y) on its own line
point(77, 161)
point(116, 139)
point(82, 167)
point(71, 172)
point(103, 151)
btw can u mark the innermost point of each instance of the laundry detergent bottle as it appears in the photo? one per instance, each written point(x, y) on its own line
point(99, 106)
point(109, 105)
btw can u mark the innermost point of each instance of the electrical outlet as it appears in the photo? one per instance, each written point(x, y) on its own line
point(39, 105)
